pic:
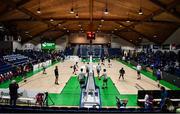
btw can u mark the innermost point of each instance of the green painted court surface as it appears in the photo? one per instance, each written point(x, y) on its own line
point(70, 95)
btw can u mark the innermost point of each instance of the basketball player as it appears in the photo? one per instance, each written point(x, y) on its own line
point(81, 77)
point(56, 75)
point(102, 61)
point(75, 68)
point(87, 68)
point(109, 62)
point(44, 68)
point(159, 77)
point(98, 69)
point(121, 72)
point(105, 79)
point(25, 70)
point(138, 71)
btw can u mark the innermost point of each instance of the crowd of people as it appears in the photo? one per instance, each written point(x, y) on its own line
point(165, 61)
point(34, 57)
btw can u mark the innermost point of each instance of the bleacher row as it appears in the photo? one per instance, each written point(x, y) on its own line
point(11, 65)
point(8, 65)
point(98, 51)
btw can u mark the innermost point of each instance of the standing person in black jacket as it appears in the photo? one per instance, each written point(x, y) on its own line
point(56, 72)
point(13, 92)
point(121, 72)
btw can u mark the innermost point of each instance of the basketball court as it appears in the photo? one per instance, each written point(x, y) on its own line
point(67, 93)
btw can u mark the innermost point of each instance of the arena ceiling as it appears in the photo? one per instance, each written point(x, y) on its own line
point(123, 18)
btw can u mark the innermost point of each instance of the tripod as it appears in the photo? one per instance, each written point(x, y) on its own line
point(46, 99)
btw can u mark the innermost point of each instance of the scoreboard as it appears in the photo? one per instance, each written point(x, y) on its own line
point(90, 35)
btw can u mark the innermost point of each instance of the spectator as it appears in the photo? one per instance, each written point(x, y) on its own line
point(159, 76)
point(13, 92)
point(120, 103)
point(164, 95)
point(168, 106)
point(148, 104)
point(138, 71)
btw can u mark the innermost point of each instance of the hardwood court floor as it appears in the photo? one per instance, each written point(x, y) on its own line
point(125, 89)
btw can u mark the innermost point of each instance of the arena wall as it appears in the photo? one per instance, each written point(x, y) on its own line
point(62, 42)
point(80, 38)
point(32, 45)
point(117, 42)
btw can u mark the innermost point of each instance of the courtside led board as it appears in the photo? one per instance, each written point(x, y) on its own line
point(48, 45)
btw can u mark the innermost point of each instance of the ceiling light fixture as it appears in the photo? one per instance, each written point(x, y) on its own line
point(72, 9)
point(128, 21)
point(140, 12)
point(39, 9)
point(100, 25)
point(155, 36)
point(102, 20)
point(77, 16)
point(51, 19)
point(128, 18)
point(140, 9)
point(106, 9)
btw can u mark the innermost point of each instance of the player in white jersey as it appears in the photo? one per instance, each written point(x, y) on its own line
point(138, 71)
point(81, 77)
point(98, 69)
